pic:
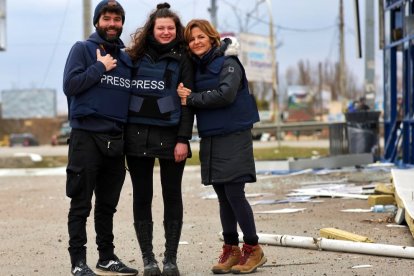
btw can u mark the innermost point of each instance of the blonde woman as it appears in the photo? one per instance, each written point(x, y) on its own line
point(226, 112)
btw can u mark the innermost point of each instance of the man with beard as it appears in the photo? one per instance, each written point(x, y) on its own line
point(97, 85)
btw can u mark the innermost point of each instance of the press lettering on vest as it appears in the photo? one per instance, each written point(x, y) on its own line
point(148, 84)
point(124, 82)
point(116, 81)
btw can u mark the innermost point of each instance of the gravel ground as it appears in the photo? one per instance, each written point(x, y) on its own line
point(33, 217)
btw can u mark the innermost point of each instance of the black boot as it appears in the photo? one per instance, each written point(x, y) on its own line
point(143, 230)
point(172, 238)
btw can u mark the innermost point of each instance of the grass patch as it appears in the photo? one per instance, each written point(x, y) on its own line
point(274, 153)
point(284, 153)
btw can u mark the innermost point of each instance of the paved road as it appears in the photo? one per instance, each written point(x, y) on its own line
point(34, 240)
point(44, 150)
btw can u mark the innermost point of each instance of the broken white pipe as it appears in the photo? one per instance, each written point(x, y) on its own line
point(335, 245)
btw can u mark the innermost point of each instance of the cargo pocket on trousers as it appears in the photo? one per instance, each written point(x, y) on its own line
point(75, 182)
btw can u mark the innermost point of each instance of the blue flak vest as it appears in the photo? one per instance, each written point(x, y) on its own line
point(154, 99)
point(109, 98)
point(239, 115)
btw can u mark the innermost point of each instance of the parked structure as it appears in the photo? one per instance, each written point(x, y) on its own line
point(398, 46)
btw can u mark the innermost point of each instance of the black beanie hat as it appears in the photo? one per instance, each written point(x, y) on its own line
point(112, 5)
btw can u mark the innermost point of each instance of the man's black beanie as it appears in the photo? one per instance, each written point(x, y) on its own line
point(111, 4)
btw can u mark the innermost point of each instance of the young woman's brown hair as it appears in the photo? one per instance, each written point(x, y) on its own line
point(139, 41)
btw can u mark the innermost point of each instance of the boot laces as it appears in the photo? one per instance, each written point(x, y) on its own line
point(246, 252)
point(225, 254)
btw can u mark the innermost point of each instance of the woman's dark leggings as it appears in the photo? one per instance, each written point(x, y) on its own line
point(234, 208)
point(141, 170)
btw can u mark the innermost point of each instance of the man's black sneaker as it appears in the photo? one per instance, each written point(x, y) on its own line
point(114, 267)
point(82, 269)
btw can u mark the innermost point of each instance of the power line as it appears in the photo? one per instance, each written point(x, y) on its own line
point(308, 30)
point(249, 15)
point(60, 32)
point(303, 30)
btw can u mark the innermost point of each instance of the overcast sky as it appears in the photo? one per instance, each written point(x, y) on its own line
point(40, 34)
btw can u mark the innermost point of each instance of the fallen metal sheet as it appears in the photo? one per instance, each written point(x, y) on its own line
point(337, 161)
point(282, 211)
point(317, 183)
point(403, 182)
point(404, 196)
point(328, 194)
point(278, 173)
point(331, 190)
point(330, 171)
point(347, 187)
point(213, 195)
point(282, 201)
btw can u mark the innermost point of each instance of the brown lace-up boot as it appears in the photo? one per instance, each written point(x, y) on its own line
point(230, 256)
point(252, 257)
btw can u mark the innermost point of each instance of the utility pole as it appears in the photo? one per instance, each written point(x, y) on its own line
point(213, 13)
point(273, 62)
point(87, 18)
point(320, 89)
point(369, 54)
point(342, 81)
point(2, 25)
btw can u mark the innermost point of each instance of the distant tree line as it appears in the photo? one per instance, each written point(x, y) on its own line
point(325, 76)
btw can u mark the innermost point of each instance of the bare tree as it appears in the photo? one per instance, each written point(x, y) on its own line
point(290, 76)
point(307, 74)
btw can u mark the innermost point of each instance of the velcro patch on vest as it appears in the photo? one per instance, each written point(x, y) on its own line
point(148, 106)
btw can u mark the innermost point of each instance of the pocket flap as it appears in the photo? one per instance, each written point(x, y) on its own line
point(135, 103)
point(166, 104)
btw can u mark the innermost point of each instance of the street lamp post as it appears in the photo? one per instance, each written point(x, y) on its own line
point(275, 101)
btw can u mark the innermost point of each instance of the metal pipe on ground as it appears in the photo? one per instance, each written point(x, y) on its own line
point(335, 245)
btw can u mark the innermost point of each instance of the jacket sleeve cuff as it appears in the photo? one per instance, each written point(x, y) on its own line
point(181, 139)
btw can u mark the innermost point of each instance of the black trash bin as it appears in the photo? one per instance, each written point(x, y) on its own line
point(363, 132)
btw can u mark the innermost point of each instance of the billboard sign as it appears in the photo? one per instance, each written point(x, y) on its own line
point(256, 57)
point(28, 103)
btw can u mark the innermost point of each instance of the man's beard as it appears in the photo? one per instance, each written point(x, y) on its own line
point(102, 33)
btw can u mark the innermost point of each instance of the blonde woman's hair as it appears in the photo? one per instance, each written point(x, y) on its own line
point(206, 27)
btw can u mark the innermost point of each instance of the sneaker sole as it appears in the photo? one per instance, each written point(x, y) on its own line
point(112, 273)
point(262, 262)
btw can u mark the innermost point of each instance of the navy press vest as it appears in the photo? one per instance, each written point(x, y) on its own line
point(154, 99)
point(239, 115)
point(109, 98)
